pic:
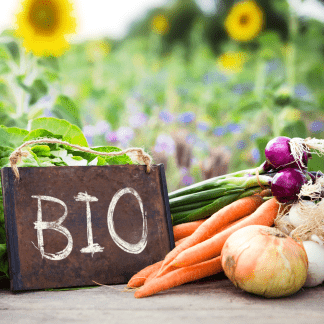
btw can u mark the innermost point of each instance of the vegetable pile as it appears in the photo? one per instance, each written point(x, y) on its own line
point(47, 155)
point(216, 220)
point(230, 223)
point(284, 172)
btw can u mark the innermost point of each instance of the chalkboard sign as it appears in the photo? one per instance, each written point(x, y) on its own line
point(77, 226)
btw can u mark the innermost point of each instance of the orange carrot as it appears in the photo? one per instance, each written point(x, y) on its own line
point(265, 193)
point(139, 278)
point(179, 277)
point(228, 214)
point(154, 273)
point(264, 215)
point(180, 241)
point(185, 229)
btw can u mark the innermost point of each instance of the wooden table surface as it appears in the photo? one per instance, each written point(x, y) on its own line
point(212, 300)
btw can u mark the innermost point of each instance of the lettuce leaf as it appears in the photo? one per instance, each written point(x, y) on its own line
point(70, 133)
point(40, 133)
point(12, 136)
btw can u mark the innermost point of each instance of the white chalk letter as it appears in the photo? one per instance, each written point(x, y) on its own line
point(40, 225)
point(128, 247)
point(92, 247)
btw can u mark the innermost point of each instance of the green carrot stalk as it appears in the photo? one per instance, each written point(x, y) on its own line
point(206, 211)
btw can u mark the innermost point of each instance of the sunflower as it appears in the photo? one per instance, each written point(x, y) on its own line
point(44, 24)
point(231, 62)
point(244, 21)
point(160, 24)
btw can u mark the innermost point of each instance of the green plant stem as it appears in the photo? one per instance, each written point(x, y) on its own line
point(260, 80)
point(206, 211)
point(192, 206)
point(203, 195)
point(291, 54)
point(217, 182)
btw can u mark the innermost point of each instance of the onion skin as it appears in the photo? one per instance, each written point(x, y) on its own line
point(286, 184)
point(264, 261)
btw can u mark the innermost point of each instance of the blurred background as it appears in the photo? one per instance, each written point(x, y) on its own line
point(201, 85)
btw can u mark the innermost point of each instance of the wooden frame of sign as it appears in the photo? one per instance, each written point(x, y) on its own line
point(78, 226)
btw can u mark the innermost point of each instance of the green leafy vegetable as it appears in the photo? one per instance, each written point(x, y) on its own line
point(12, 136)
point(41, 150)
point(70, 133)
point(41, 133)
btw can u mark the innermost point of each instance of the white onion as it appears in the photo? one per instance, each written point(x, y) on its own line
point(316, 239)
point(295, 217)
point(315, 255)
point(285, 229)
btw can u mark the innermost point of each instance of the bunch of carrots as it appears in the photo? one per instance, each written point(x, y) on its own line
point(199, 245)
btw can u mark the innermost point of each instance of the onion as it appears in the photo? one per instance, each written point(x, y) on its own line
point(296, 212)
point(315, 255)
point(286, 184)
point(278, 154)
point(264, 261)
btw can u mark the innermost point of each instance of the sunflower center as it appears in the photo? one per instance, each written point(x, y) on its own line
point(244, 19)
point(43, 17)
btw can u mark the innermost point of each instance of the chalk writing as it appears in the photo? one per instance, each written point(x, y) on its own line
point(40, 225)
point(128, 247)
point(92, 247)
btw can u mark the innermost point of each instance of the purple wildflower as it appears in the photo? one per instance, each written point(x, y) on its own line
point(254, 136)
point(183, 171)
point(219, 131)
point(301, 91)
point(187, 180)
point(316, 126)
point(125, 134)
point(191, 138)
point(164, 143)
point(186, 117)
point(255, 154)
point(102, 127)
point(47, 112)
point(137, 120)
point(234, 128)
point(166, 116)
point(273, 65)
point(203, 126)
point(241, 144)
point(89, 131)
point(111, 137)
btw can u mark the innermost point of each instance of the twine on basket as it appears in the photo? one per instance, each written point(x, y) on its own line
point(137, 153)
